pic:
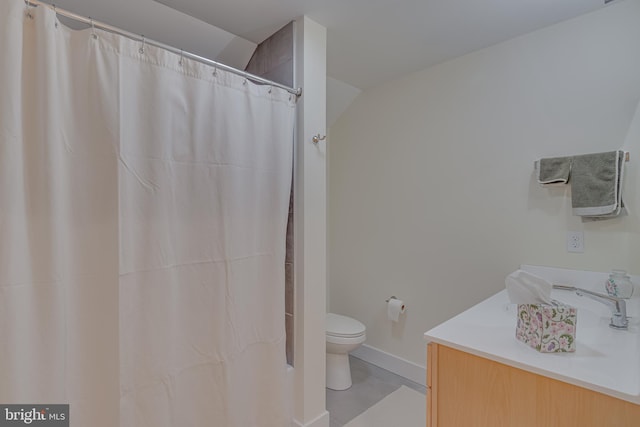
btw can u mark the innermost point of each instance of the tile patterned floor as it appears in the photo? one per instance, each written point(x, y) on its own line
point(370, 385)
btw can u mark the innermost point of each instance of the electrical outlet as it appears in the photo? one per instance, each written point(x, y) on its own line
point(575, 241)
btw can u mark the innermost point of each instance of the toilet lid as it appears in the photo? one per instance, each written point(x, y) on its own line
point(343, 326)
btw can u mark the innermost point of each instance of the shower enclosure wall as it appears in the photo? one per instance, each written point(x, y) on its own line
point(273, 60)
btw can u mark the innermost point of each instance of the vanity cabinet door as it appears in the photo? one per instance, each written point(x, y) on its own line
point(467, 390)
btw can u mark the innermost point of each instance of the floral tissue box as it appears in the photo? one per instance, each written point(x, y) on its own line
point(547, 328)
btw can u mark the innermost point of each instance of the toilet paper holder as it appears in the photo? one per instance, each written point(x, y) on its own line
point(395, 308)
point(390, 298)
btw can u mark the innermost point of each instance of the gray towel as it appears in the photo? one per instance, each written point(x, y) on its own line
point(596, 184)
point(554, 170)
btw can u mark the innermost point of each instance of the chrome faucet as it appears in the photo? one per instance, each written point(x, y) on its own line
point(618, 306)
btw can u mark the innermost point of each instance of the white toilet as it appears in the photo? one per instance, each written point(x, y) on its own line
point(344, 334)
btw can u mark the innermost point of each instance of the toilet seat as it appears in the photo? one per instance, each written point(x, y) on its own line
point(338, 326)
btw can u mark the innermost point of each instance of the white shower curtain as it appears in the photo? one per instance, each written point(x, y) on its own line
point(143, 209)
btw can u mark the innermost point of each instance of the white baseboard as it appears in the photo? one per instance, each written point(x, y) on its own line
point(395, 364)
point(321, 420)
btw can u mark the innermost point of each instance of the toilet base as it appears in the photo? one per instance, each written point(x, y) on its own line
point(338, 371)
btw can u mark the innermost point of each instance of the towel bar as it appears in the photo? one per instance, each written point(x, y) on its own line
point(626, 159)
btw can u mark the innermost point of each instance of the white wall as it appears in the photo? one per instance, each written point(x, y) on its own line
point(431, 190)
point(310, 41)
point(339, 96)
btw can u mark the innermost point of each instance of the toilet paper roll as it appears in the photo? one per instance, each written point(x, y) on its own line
point(395, 307)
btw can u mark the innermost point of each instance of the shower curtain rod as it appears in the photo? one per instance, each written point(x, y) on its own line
point(96, 24)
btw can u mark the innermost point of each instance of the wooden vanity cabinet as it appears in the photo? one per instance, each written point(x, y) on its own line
point(464, 390)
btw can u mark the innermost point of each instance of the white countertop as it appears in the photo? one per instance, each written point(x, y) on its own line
point(605, 360)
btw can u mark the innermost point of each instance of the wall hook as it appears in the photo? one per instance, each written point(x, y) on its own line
point(317, 138)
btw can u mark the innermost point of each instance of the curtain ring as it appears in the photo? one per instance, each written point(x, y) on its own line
point(141, 50)
point(55, 16)
point(30, 8)
point(181, 62)
point(93, 29)
point(215, 71)
point(270, 88)
point(244, 83)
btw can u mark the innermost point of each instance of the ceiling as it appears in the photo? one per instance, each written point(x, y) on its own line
point(368, 41)
point(372, 41)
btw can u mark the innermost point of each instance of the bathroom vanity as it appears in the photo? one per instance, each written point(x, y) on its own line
point(479, 375)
